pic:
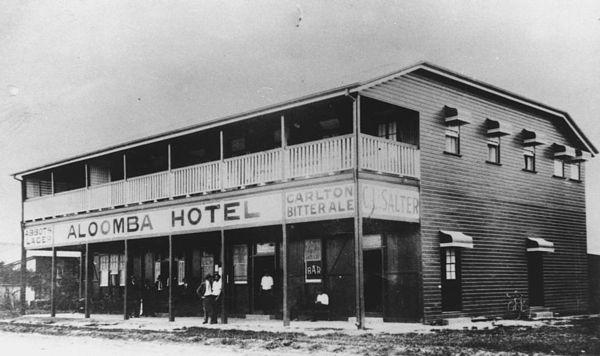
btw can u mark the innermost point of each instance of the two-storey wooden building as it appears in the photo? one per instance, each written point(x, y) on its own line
point(416, 196)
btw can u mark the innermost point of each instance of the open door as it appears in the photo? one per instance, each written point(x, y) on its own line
point(535, 271)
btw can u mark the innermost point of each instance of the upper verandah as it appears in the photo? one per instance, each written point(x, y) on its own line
point(338, 92)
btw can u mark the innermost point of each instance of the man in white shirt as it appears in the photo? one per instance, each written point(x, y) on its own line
point(216, 294)
point(266, 291)
point(321, 308)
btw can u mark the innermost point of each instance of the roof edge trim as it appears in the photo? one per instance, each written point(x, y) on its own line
point(329, 94)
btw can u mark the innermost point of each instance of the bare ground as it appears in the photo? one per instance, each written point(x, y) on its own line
point(573, 337)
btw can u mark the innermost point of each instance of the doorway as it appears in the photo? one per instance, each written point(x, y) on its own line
point(264, 301)
point(535, 272)
point(451, 286)
point(373, 272)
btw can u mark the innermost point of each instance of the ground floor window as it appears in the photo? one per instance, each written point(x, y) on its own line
point(104, 270)
point(240, 264)
point(112, 270)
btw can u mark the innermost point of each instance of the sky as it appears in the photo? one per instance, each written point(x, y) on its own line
point(77, 76)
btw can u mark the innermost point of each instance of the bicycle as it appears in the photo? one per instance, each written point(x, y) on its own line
point(517, 305)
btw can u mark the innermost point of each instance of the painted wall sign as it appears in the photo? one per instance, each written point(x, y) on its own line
point(260, 210)
point(390, 201)
point(331, 201)
point(324, 202)
point(313, 271)
point(39, 236)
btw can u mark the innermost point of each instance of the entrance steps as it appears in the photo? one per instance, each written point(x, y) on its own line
point(259, 317)
point(540, 313)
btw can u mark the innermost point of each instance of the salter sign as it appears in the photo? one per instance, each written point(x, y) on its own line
point(390, 201)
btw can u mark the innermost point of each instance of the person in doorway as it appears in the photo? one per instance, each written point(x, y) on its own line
point(148, 299)
point(266, 291)
point(321, 307)
point(217, 286)
point(134, 298)
point(204, 291)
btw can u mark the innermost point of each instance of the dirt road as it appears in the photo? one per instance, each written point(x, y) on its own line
point(571, 337)
point(53, 345)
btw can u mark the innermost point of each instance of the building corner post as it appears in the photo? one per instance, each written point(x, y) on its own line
point(358, 221)
point(23, 277)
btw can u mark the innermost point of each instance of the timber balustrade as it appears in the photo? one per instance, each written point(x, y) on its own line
point(322, 157)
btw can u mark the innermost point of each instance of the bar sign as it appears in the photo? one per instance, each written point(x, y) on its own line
point(313, 271)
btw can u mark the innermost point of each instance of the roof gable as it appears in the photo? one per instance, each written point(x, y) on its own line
point(488, 88)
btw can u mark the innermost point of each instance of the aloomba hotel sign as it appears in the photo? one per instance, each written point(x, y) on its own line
point(332, 201)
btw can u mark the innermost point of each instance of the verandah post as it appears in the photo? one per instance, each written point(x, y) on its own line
point(223, 279)
point(87, 280)
point(358, 253)
point(222, 162)
point(171, 314)
point(284, 157)
point(284, 257)
point(81, 278)
point(23, 253)
point(126, 272)
point(286, 310)
point(170, 169)
point(53, 283)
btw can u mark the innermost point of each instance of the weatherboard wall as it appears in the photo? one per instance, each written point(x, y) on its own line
point(498, 205)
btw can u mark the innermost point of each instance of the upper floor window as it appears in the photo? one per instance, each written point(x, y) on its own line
point(388, 129)
point(454, 118)
point(453, 139)
point(575, 170)
point(529, 158)
point(493, 144)
point(559, 168)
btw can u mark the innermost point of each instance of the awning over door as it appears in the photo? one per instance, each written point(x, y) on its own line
point(537, 244)
point(455, 239)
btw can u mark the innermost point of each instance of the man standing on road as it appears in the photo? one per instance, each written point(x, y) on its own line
point(216, 293)
point(204, 291)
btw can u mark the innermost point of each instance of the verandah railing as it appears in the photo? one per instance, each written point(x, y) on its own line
point(321, 157)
